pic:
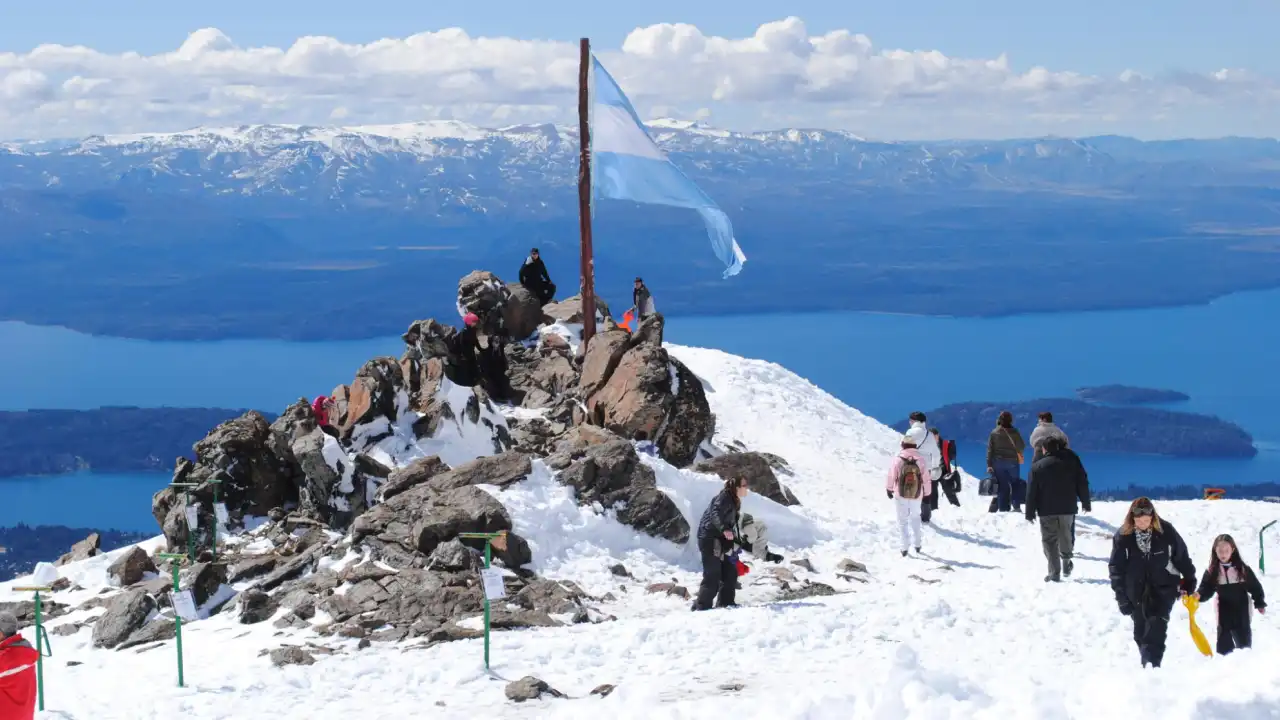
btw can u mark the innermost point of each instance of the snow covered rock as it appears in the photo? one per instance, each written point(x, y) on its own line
point(603, 468)
point(758, 471)
point(483, 293)
point(256, 606)
point(372, 395)
point(131, 567)
point(86, 548)
point(530, 688)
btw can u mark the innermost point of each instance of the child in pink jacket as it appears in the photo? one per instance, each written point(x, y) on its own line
point(908, 483)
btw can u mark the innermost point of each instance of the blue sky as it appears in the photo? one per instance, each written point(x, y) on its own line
point(996, 68)
point(1092, 36)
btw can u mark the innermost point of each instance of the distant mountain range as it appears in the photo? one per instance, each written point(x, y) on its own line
point(257, 230)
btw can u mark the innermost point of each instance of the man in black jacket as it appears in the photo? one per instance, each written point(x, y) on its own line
point(1056, 481)
point(534, 277)
point(1149, 569)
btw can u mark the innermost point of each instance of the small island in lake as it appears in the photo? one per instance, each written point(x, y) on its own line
point(1102, 428)
point(1129, 395)
point(109, 439)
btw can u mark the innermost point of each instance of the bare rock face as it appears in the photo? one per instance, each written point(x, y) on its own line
point(522, 313)
point(569, 310)
point(632, 385)
point(415, 473)
point(125, 615)
point(422, 518)
point(541, 376)
point(373, 394)
point(758, 471)
point(83, 550)
point(502, 470)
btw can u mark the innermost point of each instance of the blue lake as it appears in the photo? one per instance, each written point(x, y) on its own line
point(1222, 354)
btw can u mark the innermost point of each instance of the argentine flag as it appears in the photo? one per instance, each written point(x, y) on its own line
point(626, 164)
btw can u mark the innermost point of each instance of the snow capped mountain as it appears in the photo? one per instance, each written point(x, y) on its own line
point(437, 165)
point(967, 629)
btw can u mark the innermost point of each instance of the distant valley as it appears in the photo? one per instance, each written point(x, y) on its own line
point(325, 233)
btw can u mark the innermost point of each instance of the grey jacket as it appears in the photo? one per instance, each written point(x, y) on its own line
point(1043, 432)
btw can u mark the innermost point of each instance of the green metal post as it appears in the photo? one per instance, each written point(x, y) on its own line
point(175, 559)
point(1262, 548)
point(39, 603)
point(487, 543)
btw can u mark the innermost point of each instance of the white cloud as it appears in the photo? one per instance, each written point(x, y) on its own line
point(780, 73)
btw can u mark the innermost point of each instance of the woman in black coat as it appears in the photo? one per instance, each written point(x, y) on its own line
point(1150, 568)
point(716, 545)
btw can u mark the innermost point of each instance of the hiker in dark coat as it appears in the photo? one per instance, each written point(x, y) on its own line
point(1150, 568)
point(534, 277)
point(642, 300)
point(1234, 583)
point(716, 544)
point(1055, 483)
point(1004, 463)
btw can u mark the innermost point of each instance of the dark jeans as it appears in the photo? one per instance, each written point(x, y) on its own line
point(1011, 489)
point(1234, 638)
point(1150, 628)
point(719, 576)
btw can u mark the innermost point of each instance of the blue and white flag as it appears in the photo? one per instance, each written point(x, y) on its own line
point(626, 164)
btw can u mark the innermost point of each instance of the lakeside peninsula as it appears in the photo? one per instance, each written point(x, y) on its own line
point(109, 439)
point(1102, 428)
point(1129, 395)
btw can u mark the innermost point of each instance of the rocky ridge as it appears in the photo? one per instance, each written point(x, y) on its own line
point(355, 532)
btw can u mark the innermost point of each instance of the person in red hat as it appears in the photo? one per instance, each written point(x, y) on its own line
point(322, 407)
point(17, 672)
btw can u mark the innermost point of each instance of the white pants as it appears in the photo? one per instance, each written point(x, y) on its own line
point(908, 521)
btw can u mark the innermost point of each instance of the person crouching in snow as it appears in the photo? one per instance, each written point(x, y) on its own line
point(716, 544)
point(909, 482)
point(753, 536)
point(1147, 558)
point(17, 672)
point(1234, 582)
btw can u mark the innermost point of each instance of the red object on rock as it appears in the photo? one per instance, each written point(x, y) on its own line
point(743, 568)
point(318, 406)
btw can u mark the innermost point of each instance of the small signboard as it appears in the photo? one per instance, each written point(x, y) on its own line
point(193, 516)
point(494, 587)
point(185, 605)
point(220, 512)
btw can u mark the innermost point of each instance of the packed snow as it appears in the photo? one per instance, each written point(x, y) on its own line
point(968, 630)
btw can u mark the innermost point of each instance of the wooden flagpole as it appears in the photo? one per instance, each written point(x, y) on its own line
point(584, 197)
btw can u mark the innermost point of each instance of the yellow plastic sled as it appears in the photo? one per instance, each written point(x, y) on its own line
point(1202, 643)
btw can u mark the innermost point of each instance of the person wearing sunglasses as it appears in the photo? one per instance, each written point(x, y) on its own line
point(1150, 569)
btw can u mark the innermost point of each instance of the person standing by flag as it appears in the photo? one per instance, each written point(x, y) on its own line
point(643, 301)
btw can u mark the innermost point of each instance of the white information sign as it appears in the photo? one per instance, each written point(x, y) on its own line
point(494, 587)
point(193, 516)
point(220, 511)
point(185, 605)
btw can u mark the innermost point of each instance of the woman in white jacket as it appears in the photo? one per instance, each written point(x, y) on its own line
point(908, 483)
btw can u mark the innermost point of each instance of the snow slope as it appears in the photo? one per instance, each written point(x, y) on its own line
point(968, 631)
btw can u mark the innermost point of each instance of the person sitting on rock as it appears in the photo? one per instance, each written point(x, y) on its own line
point(716, 545)
point(17, 671)
point(753, 536)
point(643, 301)
point(535, 279)
point(323, 407)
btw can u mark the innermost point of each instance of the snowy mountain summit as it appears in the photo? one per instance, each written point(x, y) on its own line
point(342, 586)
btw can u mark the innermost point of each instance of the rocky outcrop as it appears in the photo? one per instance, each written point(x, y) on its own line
point(421, 518)
point(502, 470)
point(415, 473)
point(483, 293)
point(83, 550)
point(758, 471)
point(522, 313)
point(125, 615)
point(632, 385)
point(372, 395)
point(603, 468)
point(541, 376)
point(569, 310)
